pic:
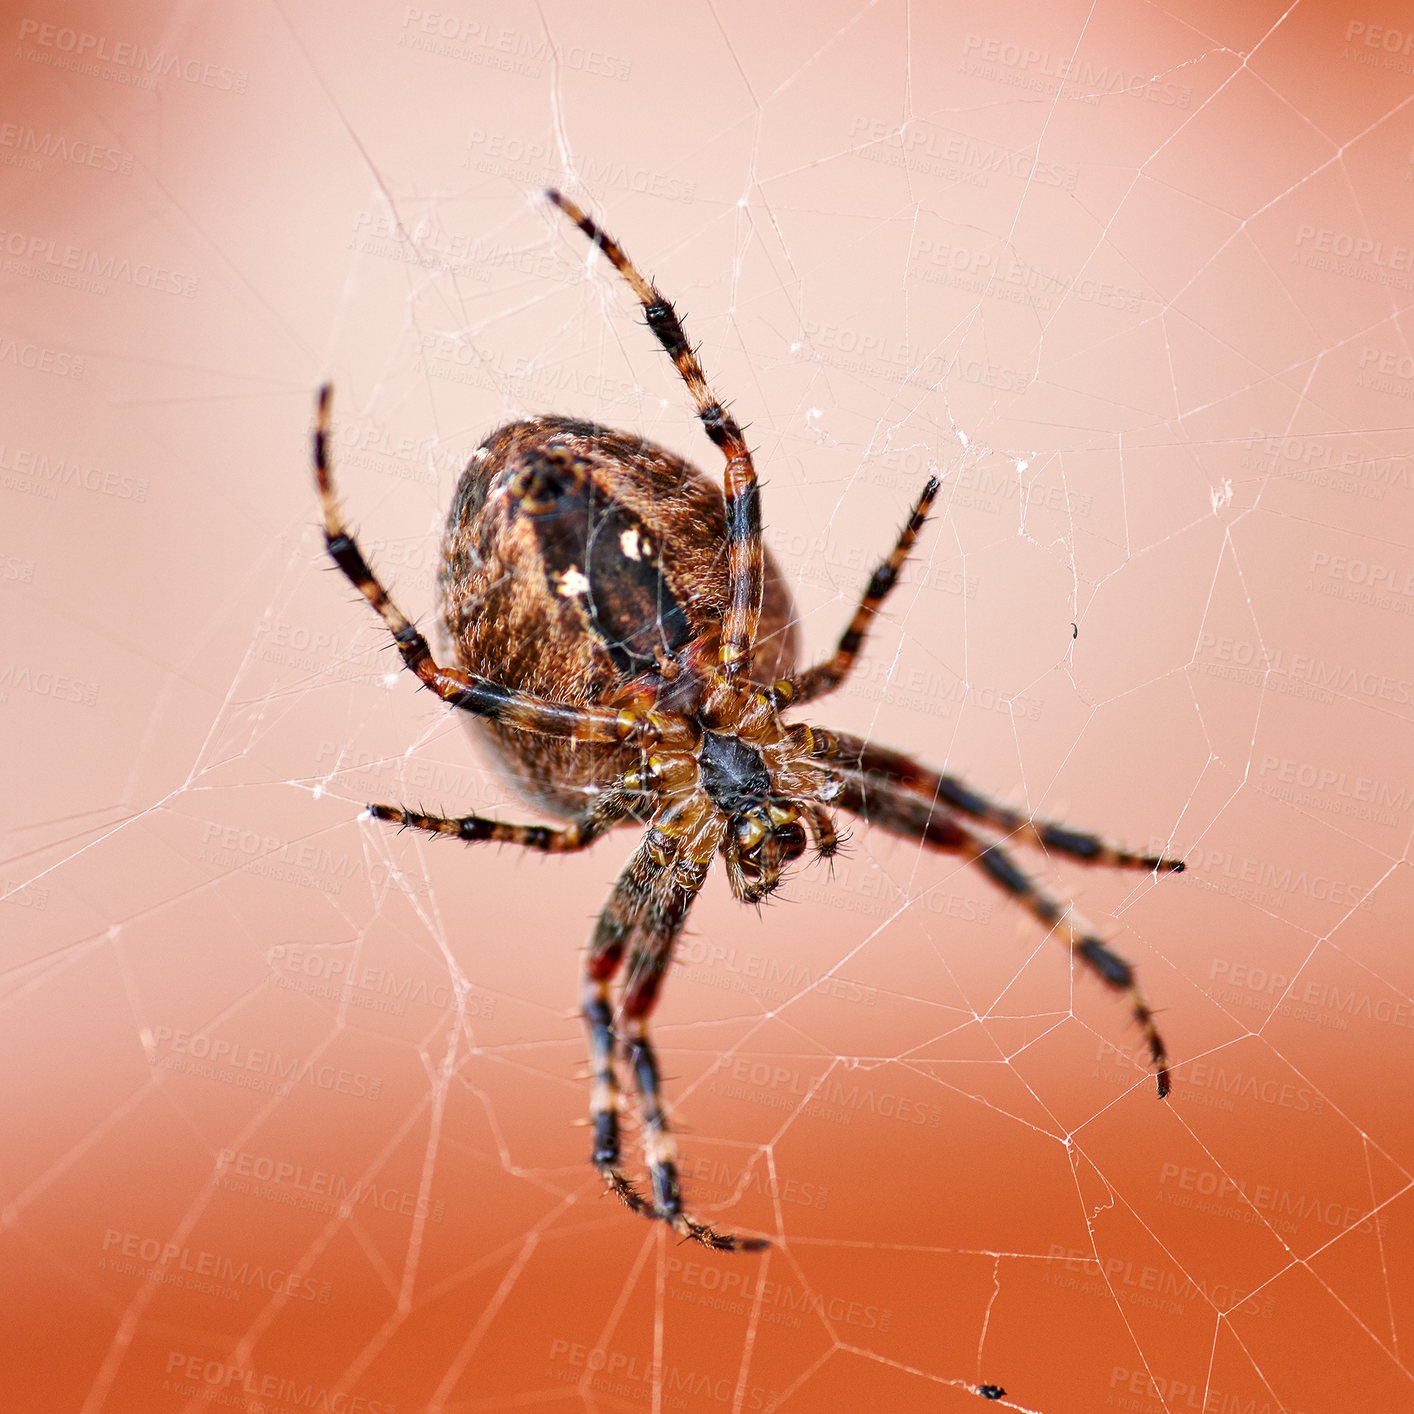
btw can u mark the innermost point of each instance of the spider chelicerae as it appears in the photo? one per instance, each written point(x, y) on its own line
point(627, 647)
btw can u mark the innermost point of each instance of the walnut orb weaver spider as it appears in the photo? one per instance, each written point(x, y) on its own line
point(626, 646)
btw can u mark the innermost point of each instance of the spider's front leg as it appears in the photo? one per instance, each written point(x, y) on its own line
point(745, 559)
point(643, 917)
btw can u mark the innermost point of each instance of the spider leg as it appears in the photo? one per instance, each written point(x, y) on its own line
point(622, 913)
point(608, 810)
point(892, 768)
point(822, 831)
point(643, 917)
point(901, 812)
point(825, 677)
point(745, 574)
point(473, 694)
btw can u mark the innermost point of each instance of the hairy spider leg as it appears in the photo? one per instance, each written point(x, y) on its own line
point(477, 695)
point(644, 915)
point(827, 676)
point(745, 572)
point(853, 753)
point(608, 809)
point(886, 803)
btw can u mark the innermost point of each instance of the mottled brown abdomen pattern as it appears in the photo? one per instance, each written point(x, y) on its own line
point(519, 607)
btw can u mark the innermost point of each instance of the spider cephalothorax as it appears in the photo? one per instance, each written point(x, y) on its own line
point(751, 792)
point(627, 647)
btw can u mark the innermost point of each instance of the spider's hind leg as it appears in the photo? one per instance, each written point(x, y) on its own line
point(1078, 935)
point(643, 917)
point(886, 770)
point(892, 806)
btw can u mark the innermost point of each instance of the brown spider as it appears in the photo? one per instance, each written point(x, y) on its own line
point(627, 647)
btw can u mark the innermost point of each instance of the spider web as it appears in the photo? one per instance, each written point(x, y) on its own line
point(290, 1101)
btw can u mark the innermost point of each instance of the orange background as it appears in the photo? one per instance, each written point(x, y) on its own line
point(1134, 280)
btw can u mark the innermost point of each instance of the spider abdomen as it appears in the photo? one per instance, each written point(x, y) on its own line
point(577, 563)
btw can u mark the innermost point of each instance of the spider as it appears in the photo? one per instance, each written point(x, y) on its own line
point(626, 646)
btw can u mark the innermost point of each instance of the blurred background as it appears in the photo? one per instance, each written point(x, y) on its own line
point(291, 1100)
